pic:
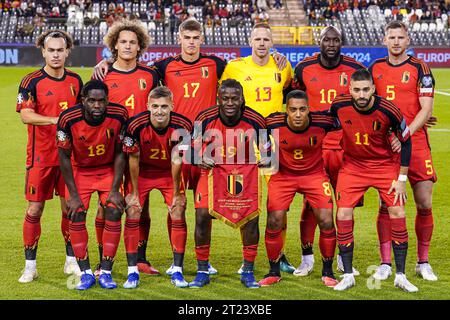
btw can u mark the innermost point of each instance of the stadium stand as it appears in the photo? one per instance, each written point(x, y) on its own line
point(228, 22)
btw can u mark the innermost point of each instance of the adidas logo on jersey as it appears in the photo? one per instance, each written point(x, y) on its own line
point(49, 93)
point(248, 79)
point(82, 138)
point(114, 85)
point(178, 74)
point(284, 141)
point(313, 79)
point(348, 121)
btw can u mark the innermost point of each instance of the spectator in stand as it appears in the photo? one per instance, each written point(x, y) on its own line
point(262, 5)
point(278, 4)
point(263, 16)
point(191, 11)
point(223, 12)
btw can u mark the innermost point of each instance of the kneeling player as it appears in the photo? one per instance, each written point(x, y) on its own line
point(149, 141)
point(231, 115)
point(91, 160)
point(366, 120)
point(299, 137)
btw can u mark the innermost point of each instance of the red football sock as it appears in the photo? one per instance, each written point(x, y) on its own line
point(131, 235)
point(344, 231)
point(79, 238)
point(249, 252)
point(424, 231)
point(399, 233)
point(179, 235)
point(308, 226)
point(169, 227)
point(111, 238)
point(384, 234)
point(65, 222)
point(274, 243)
point(31, 231)
point(327, 243)
point(99, 227)
point(202, 252)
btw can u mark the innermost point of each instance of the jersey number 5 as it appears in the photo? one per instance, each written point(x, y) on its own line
point(390, 93)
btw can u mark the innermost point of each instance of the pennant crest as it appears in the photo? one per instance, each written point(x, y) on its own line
point(235, 184)
point(405, 77)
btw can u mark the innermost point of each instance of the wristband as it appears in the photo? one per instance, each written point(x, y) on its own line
point(402, 177)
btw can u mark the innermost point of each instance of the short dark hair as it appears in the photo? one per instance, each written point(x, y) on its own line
point(296, 94)
point(56, 33)
point(161, 92)
point(231, 83)
point(93, 85)
point(395, 24)
point(362, 75)
point(190, 25)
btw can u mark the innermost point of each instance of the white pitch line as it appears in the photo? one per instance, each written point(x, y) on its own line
point(439, 130)
point(442, 92)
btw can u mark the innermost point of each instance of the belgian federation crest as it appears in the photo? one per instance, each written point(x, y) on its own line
point(205, 72)
point(109, 133)
point(343, 79)
point(235, 184)
point(376, 125)
point(277, 76)
point(142, 84)
point(72, 90)
point(406, 76)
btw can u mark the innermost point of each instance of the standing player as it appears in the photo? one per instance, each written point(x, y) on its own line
point(149, 141)
point(323, 76)
point(129, 84)
point(91, 160)
point(43, 95)
point(300, 135)
point(263, 84)
point(409, 83)
point(366, 120)
point(231, 113)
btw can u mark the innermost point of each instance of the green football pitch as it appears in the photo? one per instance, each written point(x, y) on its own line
point(226, 246)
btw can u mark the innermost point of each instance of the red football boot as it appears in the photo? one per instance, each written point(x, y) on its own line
point(147, 268)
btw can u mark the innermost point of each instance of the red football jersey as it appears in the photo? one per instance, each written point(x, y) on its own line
point(130, 89)
point(365, 134)
point(323, 84)
point(47, 96)
point(93, 146)
point(404, 84)
point(193, 84)
point(300, 152)
point(155, 146)
point(237, 144)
